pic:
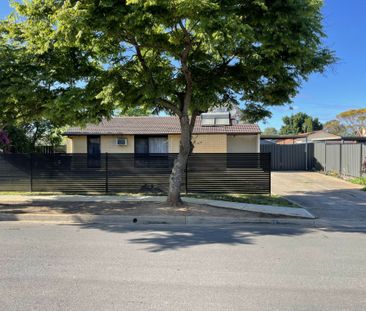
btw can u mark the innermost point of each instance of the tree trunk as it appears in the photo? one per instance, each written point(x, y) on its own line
point(180, 163)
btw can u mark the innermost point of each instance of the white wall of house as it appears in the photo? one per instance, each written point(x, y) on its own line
point(243, 143)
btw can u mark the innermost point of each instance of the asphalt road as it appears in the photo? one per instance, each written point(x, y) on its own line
point(262, 267)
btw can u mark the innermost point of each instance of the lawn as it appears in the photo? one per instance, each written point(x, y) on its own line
point(359, 181)
point(248, 198)
point(242, 198)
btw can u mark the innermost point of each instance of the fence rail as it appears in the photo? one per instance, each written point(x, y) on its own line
point(111, 172)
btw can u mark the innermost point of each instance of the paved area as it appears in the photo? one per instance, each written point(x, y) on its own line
point(89, 267)
point(326, 197)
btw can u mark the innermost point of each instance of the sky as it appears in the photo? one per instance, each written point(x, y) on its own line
point(343, 86)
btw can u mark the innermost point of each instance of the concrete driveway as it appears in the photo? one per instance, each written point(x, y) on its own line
point(326, 197)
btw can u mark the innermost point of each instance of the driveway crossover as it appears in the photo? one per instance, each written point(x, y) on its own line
point(326, 197)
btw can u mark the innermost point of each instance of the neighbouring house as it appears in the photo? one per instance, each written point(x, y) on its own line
point(316, 136)
point(268, 142)
point(213, 133)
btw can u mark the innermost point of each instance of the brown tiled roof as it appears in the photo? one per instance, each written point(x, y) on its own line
point(156, 125)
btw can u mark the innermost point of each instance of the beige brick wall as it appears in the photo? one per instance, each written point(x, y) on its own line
point(242, 143)
point(68, 145)
point(203, 143)
point(173, 143)
point(108, 144)
point(76, 144)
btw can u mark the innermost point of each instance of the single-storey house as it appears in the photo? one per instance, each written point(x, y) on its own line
point(315, 136)
point(213, 133)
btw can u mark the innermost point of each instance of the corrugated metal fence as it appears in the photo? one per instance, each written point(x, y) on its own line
point(344, 159)
point(290, 157)
point(210, 173)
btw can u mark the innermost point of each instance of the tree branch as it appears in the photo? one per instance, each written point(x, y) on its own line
point(169, 105)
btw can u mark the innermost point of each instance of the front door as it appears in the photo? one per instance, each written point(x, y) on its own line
point(141, 145)
point(93, 146)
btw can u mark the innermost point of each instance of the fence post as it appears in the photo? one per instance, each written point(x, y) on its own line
point(361, 160)
point(31, 171)
point(106, 173)
point(269, 163)
point(187, 175)
point(306, 154)
point(325, 157)
point(340, 159)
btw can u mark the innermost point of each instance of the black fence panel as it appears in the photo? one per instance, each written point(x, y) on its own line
point(15, 172)
point(137, 173)
point(68, 173)
point(112, 172)
point(229, 173)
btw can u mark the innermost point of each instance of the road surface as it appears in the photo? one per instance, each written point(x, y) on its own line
point(262, 267)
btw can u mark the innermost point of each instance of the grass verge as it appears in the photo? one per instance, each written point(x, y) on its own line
point(241, 198)
point(359, 181)
point(247, 198)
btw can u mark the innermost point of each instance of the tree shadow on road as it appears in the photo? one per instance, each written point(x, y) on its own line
point(157, 238)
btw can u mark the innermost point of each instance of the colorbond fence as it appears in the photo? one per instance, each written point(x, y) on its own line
point(344, 159)
point(205, 173)
point(290, 157)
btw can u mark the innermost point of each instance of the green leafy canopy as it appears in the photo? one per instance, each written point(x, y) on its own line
point(76, 61)
point(300, 123)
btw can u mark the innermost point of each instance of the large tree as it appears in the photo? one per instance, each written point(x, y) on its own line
point(354, 121)
point(180, 56)
point(335, 127)
point(299, 123)
point(270, 131)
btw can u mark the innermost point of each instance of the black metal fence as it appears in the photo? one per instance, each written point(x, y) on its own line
point(112, 172)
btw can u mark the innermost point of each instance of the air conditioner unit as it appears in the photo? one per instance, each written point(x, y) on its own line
point(121, 141)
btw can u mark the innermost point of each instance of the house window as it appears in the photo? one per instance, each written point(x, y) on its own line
point(151, 152)
point(147, 145)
